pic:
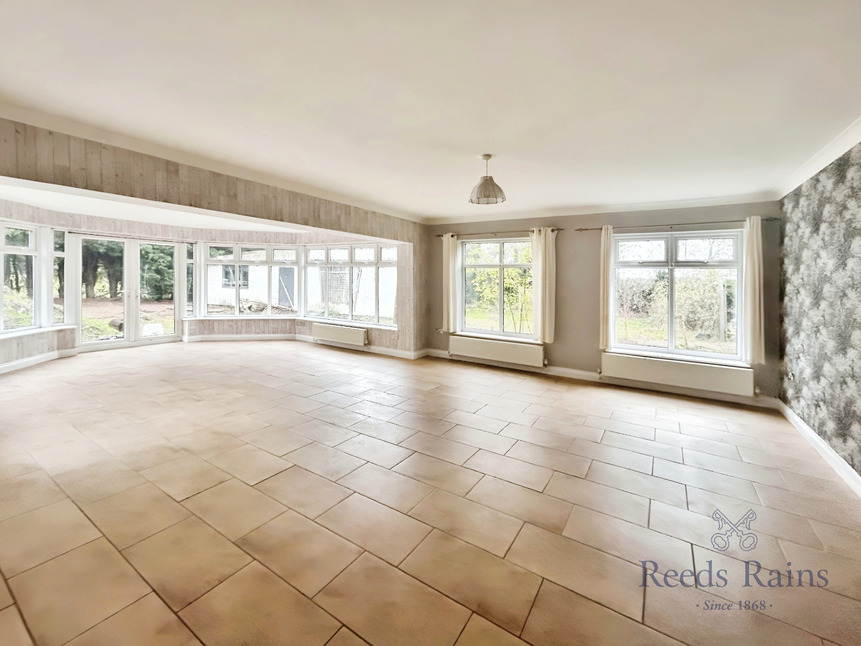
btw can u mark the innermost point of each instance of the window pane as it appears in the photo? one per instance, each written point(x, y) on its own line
point(641, 307)
point(18, 306)
point(388, 277)
point(189, 289)
point(315, 291)
point(284, 255)
point(388, 254)
point(706, 249)
point(221, 290)
point(364, 254)
point(283, 290)
point(189, 251)
point(59, 241)
point(339, 254)
point(253, 289)
point(705, 304)
point(481, 299)
point(157, 309)
point(102, 285)
point(221, 253)
point(517, 253)
point(18, 238)
point(59, 290)
point(642, 250)
point(481, 253)
point(252, 253)
point(364, 294)
point(517, 303)
point(338, 292)
point(316, 256)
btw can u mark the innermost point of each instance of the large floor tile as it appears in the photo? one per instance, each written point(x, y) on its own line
point(27, 492)
point(12, 628)
point(510, 469)
point(603, 498)
point(40, 535)
point(439, 473)
point(234, 508)
point(375, 451)
point(135, 514)
point(387, 607)
point(306, 492)
point(439, 447)
point(390, 488)
point(601, 577)
point(481, 632)
point(185, 476)
point(70, 594)
point(186, 560)
point(147, 622)
point(249, 464)
point(533, 507)
point(474, 523)
point(325, 461)
point(300, 551)
point(379, 529)
point(638, 483)
point(256, 607)
point(561, 617)
point(487, 584)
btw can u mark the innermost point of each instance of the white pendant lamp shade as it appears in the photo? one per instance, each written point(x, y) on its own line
point(487, 191)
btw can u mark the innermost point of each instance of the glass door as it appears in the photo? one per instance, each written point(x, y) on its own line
point(128, 291)
point(103, 289)
point(157, 292)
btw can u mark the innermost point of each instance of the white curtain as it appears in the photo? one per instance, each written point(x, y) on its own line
point(449, 282)
point(754, 325)
point(606, 282)
point(544, 283)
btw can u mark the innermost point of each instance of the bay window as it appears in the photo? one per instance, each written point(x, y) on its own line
point(678, 293)
point(250, 280)
point(18, 297)
point(352, 283)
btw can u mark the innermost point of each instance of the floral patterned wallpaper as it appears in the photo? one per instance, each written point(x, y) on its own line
point(821, 284)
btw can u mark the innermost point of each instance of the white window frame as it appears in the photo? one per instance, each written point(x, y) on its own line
point(671, 262)
point(350, 264)
point(237, 262)
point(501, 265)
point(35, 249)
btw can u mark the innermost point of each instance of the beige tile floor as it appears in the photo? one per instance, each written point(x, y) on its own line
point(286, 493)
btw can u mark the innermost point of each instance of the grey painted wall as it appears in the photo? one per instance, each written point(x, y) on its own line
point(577, 283)
point(822, 304)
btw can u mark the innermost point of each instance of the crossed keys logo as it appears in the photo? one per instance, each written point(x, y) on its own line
point(726, 528)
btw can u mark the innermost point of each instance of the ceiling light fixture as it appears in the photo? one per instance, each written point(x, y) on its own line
point(487, 191)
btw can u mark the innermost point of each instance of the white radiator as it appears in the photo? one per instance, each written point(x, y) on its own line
point(339, 334)
point(700, 376)
point(523, 354)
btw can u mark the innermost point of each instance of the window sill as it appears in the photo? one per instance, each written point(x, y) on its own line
point(498, 337)
point(30, 331)
point(681, 358)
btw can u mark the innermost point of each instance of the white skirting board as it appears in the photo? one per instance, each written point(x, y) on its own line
point(683, 374)
point(849, 475)
point(35, 360)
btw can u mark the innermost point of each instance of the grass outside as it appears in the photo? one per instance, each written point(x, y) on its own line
point(645, 332)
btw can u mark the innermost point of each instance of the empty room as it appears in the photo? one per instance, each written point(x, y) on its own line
point(457, 323)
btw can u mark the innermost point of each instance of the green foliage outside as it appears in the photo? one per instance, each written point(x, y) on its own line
point(705, 308)
point(482, 293)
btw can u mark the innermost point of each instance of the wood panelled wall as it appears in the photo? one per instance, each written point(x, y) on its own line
point(38, 154)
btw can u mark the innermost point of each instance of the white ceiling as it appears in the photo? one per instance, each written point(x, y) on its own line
point(589, 105)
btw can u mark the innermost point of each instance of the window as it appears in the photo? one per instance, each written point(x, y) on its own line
point(497, 287)
point(352, 283)
point(17, 299)
point(250, 280)
point(678, 293)
point(189, 279)
point(58, 279)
